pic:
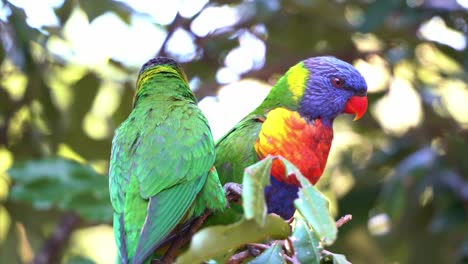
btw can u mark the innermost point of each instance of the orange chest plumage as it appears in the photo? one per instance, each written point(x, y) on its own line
point(305, 144)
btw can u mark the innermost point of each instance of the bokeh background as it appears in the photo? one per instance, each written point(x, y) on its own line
point(67, 77)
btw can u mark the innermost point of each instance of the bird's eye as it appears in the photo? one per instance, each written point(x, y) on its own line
point(338, 82)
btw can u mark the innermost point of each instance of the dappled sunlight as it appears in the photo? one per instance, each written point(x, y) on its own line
point(60, 80)
point(6, 160)
point(95, 126)
point(39, 13)
point(454, 94)
point(5, 220)
point(15, 130)
point(379, 224)
point(96, 122)
point(182, 45)
point(77, 33)
point(367, 42)
point(207, 21)
point(426, 196)
point(92, 44)
point(400, 109)
point(354, 15)
point(13, 80)
point(432, 58)
point(249, 55)
point(66, 151)
point(95, 242)
point(162, 12)
point(375, 71)
point(344, 137)
point(145, 36)
point(234, 101)
point(436, 30)
point(24, 248)
point(107, 100)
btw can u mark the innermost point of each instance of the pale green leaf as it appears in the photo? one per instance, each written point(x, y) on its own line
point(306, 243)
point(336, 258)
point(313, 206)
point(271, 255)
point(256, 177)
point(214, 241)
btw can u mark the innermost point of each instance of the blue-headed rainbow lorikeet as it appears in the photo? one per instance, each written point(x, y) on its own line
point(294, 121)
point(161, 167)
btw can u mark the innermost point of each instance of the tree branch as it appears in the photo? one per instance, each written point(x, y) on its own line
point(233, 192)
point(52, 249)
point(180, 241)
point(240, 257)
point(343, 220)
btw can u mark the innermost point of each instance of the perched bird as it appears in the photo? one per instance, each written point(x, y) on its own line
point(161, 166)
point(294, 121)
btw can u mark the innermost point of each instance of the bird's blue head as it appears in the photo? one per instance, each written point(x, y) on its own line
point(332, 87)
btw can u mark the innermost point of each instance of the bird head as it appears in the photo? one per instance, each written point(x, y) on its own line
point(331, 87)
point(160, 65)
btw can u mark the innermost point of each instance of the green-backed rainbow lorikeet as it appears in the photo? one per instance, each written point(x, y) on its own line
point(294, 121)
point(161, 167)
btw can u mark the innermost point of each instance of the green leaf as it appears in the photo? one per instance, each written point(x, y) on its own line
point(256, 177)
point(271, 255)
point(314, 207)
point(335, 259)
point(63, 184)
point(217, 240)
point(306, 243)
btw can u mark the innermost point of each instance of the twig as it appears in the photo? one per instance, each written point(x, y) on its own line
point(239, 257)
point(292, 259)
point(259, 246)
point(343, 220)
point(178, 22)
point(53, 247)
point(233, 192)
point(289, 247)
point(180, 241)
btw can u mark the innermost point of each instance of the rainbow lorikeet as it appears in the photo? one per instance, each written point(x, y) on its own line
point(161, 167)
point(294, 121)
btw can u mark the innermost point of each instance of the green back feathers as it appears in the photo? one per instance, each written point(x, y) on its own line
point(161, 163)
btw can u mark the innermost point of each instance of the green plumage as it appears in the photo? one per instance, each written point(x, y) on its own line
point(161, 168)
point(235, 150)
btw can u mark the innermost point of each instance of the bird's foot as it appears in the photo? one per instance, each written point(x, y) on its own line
point(233, 191)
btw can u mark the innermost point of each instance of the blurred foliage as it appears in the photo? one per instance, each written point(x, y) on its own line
point(64, 184)
point(404, 180)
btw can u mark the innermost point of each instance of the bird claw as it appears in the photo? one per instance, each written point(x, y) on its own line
point(233, 191)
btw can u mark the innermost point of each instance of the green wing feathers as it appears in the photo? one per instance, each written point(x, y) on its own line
point(235, 151)
point(161, 169)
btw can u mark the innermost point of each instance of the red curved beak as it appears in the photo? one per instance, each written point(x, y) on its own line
point(356, 105)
